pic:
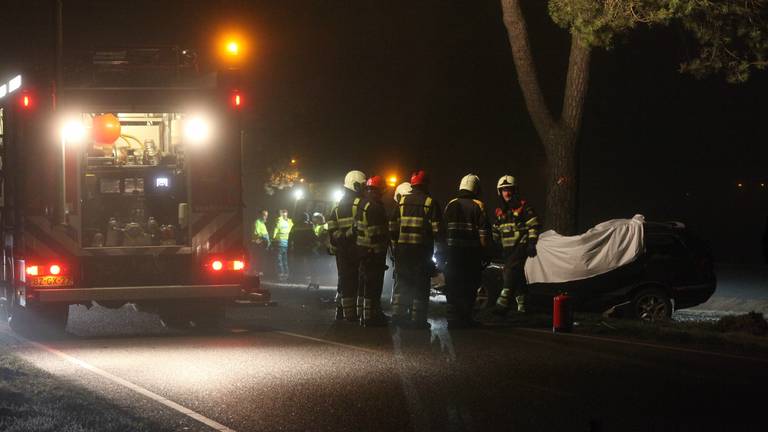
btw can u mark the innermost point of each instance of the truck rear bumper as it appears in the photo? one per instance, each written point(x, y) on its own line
point(73, 295)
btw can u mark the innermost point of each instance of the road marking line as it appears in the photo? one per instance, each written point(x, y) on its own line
point(138, 389)
point(325, 341)
point(649, 345)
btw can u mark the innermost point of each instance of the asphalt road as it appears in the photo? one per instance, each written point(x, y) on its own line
point(290, 367)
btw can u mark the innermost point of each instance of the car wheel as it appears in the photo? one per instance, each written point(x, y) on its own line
point(652, 305)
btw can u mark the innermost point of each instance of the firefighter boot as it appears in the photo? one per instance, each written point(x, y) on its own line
point(419, 315)
point(360, 305)
point(400, 311)
point(502, 304)
point(339, 308)
point(348, 305)
point(481, 301)
point(372, 314)
point(520, 303)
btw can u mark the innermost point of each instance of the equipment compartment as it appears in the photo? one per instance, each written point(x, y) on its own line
point(135, 181)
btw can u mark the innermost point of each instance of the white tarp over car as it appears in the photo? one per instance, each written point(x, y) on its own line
point(603, 248)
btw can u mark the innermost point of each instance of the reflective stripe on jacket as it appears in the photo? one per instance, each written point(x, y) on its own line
point(466, 223)
point(417, 220)
point(372, 231)
point(341, 221)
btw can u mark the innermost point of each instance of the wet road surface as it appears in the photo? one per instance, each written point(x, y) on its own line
point(291, 367)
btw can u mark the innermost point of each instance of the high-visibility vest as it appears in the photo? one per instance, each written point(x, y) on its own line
point(260, 230)
point(283, 229)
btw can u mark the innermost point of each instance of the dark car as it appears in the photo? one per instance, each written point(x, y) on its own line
point(674, 271)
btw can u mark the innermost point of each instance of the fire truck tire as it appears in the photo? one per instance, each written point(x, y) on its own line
point(192, 314)
point(46, 321)
point(174, 316)
point(209, 316)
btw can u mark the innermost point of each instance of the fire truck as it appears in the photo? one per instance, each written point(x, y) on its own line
point(122, 185)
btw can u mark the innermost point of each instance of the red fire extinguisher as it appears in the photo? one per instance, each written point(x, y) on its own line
point(562, 313)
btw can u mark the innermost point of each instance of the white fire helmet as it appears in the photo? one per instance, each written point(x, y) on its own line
point(506, 181)
point(402, 190)
point(355, 180)
point(470, 182)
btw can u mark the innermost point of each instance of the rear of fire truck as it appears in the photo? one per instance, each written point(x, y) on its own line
point(128, 190)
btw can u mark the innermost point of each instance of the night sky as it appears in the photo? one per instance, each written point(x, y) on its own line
point(395, 85)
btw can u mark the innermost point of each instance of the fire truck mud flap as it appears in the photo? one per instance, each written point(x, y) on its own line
point(128, 294)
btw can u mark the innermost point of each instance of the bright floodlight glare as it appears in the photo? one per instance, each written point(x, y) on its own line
point(337, 195)
point(14, 83)
point(298, 194)
point(233, 48)
point(197, 129)
point(73, 131)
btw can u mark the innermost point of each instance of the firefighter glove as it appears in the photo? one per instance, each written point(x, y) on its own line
point(531, 249)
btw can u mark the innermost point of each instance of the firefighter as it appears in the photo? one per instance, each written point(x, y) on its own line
point(344, 245)
point(280, 236)
point(372, 240)
point(401, 190)
point(516, 228)
point(259, 242)
point(301, 242)
point(415, 227)
point(319, 250)
point(467, 232)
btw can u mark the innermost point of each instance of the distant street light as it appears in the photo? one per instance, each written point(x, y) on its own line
point(298, 194)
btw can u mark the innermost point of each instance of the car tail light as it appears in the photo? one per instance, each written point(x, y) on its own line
point(217, 265)
point(221, 265)
point(33, 270)
point(49, 269)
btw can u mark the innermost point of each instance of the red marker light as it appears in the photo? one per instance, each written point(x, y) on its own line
point(55, 270)
point(217, 265)
point(237, 99)
point(26, 101)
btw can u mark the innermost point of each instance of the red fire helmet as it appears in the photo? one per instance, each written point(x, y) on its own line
point(376, 181)
point(419, 177)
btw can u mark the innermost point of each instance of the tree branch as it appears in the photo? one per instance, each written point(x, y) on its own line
point(575, 85)
point(526, 69)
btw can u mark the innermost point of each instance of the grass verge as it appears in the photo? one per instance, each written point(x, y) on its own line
point(743, 334)
point(34, 400)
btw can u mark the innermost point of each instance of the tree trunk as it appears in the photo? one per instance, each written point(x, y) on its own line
point(559, 137)
point(560, 212)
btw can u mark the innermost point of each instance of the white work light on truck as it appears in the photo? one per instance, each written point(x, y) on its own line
point(72, 131)
point(197, 129)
